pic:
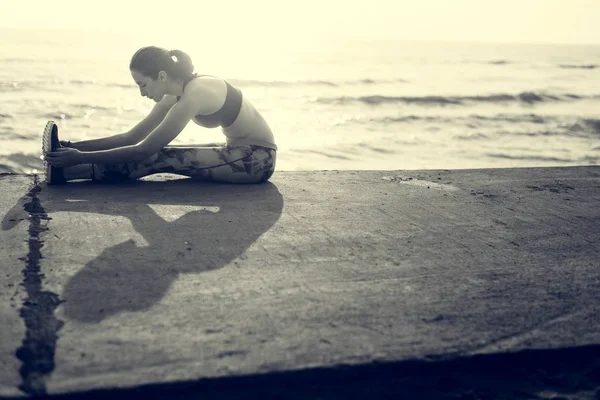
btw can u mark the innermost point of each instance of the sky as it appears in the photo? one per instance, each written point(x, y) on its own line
point(310, 21)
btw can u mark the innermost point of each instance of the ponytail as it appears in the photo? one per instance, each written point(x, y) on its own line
point(183, 67)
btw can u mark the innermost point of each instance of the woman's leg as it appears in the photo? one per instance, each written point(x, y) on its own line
point(80, 171)
point(239, 164)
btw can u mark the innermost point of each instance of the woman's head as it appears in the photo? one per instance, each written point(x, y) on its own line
point(153, 68)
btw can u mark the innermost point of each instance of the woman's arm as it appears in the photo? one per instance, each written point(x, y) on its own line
point(135, 135)
point(173, 123)
point(122, 139)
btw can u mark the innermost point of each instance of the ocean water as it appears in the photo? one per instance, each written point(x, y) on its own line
point(337, 104)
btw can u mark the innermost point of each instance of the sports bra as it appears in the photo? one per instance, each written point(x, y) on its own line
point(224, 116)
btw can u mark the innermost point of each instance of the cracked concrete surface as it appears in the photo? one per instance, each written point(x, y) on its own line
point(166, 280)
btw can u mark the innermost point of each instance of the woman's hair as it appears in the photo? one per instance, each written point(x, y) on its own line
point(150, 60)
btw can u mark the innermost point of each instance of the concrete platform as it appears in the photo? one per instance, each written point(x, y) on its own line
point(319, 284)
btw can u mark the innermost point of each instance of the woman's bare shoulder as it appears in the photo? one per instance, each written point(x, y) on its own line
point(205, 84)
point(208, 93)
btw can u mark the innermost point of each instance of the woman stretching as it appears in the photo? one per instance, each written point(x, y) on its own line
point(168, 78)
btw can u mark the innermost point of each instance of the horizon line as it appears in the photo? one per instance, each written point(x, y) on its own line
point(335, 37)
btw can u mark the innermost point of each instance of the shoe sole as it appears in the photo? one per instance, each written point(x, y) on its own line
point(49, 143)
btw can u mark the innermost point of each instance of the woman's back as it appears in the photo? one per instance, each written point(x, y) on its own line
point(241, 122)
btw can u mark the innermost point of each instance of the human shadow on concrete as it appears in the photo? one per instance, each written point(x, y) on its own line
point(133, 277)
point(562, 373)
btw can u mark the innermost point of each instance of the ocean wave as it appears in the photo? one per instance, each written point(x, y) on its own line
point(576, 66)
point(56, 115)
point(530, 157)
point(586, 125)
point(13, 86)
point(365, 81)
point(524, 97)
point(49, 85)
point(510, 125)
point(322, 153)
point(83, 82)
point(251, 82)
point(9, 134)
point(370, 147)
point(92, 82)
point(516, 118)
point(570, 131)
point(394, 120)
point(499, 62)
point(471, 119)
point(91, 106)
point(381, 99)
point(412, 118)
point(517, 125)
point(20, 163)
point(121, 85)
point(586, 129)
point(590, 160)
point(368, 81)
point(474, 136)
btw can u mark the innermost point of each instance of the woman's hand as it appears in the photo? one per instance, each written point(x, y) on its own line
point(64, 157)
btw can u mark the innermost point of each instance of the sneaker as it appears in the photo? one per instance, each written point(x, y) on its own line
point(50, 142)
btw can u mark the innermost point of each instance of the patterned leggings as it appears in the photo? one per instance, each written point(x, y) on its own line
point(213, 162)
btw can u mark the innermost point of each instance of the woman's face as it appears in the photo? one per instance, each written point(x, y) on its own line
point(153, 89)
